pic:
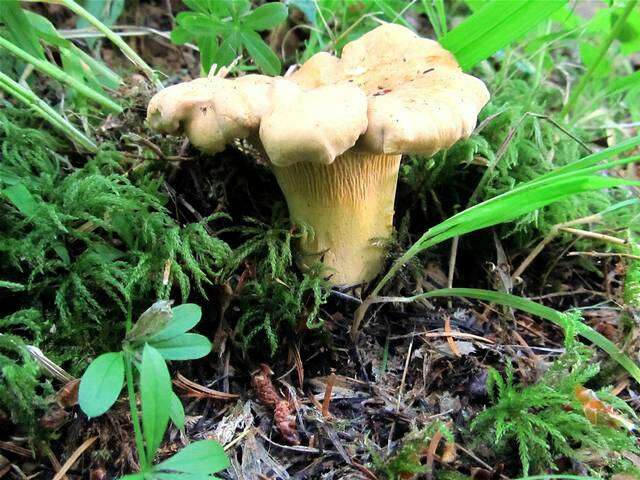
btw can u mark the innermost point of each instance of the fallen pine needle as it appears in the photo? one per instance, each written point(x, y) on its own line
point(74, 457)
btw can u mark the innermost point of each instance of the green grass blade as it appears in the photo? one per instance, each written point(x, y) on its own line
point(602, 51)
point(494, 26)
point(556, 185)
point(503, 208)
point(30, 99)
point(115, 39)
point(57, 73)
point(533, 308)
point(594, 158)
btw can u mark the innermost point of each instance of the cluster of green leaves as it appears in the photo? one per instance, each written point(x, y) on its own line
point(224, 29)
point(407, 461)
point(546, 419)
point(159, 335)
point(276, 299)
point(72, 238)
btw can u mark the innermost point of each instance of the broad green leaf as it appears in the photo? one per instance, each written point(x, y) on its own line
point(187, 346)
point(208, 47)
point(199, 24)
point(203, 6)
point(495, 25)
point(184, 318)
point(155, 397)
point(262, 55)
point(236, 7)
point(152, 321)
point(22, 199)
point(133, 476)
point(266, 16)
point(19, 28)
point(203, 457)
point(177, 411)
point(101, 384)
point(181, 35)
point(229, 49)
point(182, 476)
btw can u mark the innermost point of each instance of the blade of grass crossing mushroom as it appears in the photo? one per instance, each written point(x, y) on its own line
point(494, 26)
point(559, 318)
point(30, 99)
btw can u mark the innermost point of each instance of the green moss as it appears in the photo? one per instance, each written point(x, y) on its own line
point(546, 419)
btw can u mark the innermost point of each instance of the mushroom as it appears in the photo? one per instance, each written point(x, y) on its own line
point(334, 133)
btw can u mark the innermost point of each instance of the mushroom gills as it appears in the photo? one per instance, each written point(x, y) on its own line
point(349, 206)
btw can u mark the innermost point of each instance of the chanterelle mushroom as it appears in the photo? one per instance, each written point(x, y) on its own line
point(334, 132)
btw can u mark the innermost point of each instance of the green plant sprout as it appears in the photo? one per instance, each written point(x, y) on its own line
point(224, 29)
point(161, 334)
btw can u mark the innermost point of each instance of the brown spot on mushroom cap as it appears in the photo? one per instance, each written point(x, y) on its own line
point(425, 115)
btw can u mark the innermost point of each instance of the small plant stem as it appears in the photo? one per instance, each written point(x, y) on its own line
point(131, 393)
point(613, 33)
point(115, 38)
point(30, 99)
point(135, 419)
point(60, 75)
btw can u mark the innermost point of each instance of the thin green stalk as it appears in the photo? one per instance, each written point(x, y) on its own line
point(613, 33)
point(533, 308)
point(133, 407)
point(60, 75)
point(131, 393)
point(30, 99)
point(115, 38)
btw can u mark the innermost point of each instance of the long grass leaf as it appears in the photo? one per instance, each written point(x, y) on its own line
point(115, 38)
point(614, 33)
point(533, 308)
point(494, 26)
point(57, 73)
point(504, 208)
point(30, 99)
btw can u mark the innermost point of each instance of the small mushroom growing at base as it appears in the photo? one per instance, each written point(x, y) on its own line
point(334, 133)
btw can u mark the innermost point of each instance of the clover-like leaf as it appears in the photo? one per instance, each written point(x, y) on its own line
point(101, 384)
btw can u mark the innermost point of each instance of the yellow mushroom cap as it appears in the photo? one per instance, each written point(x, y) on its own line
point(211, 111)
point(419, 101)
point(313, 125)
point(391, 92)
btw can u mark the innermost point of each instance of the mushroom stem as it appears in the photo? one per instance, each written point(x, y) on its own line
point(349, 205)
